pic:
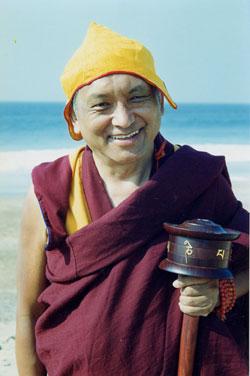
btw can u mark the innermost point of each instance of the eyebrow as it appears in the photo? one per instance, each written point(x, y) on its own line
point(105, 95)
point(98, 96)
point(138, 88)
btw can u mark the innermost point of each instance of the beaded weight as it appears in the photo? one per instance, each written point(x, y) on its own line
point(227, 297)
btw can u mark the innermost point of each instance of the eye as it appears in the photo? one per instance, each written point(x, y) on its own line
point(139, 98)
point(101, 106)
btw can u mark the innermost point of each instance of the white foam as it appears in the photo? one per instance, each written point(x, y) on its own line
point(15, 167)
point(232, 152)
point(239, 179)
point(25, 160)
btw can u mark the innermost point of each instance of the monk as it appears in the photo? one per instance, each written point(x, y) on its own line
point(91, 297)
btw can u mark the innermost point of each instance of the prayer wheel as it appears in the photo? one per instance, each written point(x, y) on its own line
point(196, 248)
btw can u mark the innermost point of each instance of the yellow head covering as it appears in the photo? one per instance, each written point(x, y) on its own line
point(105, 52)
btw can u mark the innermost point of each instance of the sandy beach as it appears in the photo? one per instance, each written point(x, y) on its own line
point(10, 210)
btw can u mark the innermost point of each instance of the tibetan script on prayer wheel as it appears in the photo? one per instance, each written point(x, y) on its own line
point(199, 248)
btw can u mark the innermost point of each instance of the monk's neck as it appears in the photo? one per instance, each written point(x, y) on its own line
point(136, 172)
point(123, 179)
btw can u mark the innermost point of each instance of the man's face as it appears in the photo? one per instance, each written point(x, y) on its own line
point(119, 118)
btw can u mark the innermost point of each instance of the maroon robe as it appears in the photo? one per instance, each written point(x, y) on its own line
point(110, 310)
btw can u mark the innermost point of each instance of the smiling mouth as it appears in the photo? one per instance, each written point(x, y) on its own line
point(126, 136)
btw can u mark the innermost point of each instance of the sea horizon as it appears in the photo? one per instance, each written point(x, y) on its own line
point(181, 102)
point(35, 132)
point(41, 125)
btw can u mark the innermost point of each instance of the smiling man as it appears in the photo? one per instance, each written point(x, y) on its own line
point(92, 299)
point(119, 118)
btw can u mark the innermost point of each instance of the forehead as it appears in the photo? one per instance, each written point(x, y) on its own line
point(114, 84)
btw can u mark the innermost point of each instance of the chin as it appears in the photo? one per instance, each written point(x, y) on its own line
point(128, 157)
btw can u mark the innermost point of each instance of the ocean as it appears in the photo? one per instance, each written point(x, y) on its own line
point(29, 126)
point(34, 132)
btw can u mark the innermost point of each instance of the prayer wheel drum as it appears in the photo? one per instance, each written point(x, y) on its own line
point(197, 248)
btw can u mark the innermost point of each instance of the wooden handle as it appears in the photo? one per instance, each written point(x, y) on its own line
point(189, 333)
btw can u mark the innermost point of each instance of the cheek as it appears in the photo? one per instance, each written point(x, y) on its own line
point(93, 125)
point(154, 123)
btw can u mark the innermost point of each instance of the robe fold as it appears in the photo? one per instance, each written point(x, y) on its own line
point(109, 309)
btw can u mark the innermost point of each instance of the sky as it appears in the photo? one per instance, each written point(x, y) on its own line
point(201, 47)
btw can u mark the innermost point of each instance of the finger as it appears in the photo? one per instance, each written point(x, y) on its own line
point(191, 291)
point(184, 281)
point(212, 287)
point(188, 281)
point(199, 307)
point(202, 304)
point(179, 283)
point(195, 311)
point(196, 301)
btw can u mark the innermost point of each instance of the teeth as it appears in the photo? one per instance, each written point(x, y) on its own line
point(125, 136)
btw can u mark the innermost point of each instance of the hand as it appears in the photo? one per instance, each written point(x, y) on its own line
point(198, 296)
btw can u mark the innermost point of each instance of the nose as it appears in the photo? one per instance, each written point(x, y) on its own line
point(122, 116)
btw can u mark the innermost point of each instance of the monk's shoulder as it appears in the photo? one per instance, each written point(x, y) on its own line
point(52, 180)
point(201, 154)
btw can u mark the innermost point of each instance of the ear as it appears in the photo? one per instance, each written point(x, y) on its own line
point(74, 129)
point(75, 123)
point(73, 126)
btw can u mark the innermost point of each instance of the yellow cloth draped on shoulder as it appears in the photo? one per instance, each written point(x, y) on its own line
point(78, 214)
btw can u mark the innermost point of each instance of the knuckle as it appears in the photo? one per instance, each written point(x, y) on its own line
point(187, 291)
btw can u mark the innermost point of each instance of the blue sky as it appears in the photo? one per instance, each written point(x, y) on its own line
point(201, 47)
